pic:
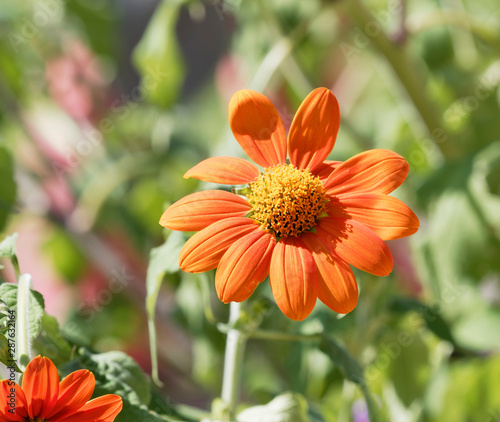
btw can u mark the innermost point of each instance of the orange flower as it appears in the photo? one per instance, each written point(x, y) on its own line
point(43, 398)
point(301, 223)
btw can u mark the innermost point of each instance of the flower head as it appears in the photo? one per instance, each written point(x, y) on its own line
point(43, 398)
point(303, 221)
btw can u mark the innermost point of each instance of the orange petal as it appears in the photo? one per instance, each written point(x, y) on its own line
point(74, 391)
point(386, 216)
point(101, 409)
point(376, 170)
point(41, 387)
point(18, 400)
point(244, 265)
point(203, 251)
point(257, 126)
point(224, 170)
point(294, 279)
point(326, 168)
point(198, 210)
point(337, 287)
point(314, 129)
point(356, 244)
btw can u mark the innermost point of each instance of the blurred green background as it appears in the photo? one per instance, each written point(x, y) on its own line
point(105, 104)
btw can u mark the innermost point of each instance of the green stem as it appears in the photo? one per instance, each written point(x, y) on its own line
point(204, 283)
point(273, 335)
point(154, 354)
point(22, 322)
point(409, 76)
point(370, 404)
point(233, 361)
point(278, 336)
point(480, 29)
point(273, 60)
point(191, 413)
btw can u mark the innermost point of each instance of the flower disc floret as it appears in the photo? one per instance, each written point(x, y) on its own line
point(287, 201)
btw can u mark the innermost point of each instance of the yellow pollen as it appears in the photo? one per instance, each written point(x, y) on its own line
point(286, 200)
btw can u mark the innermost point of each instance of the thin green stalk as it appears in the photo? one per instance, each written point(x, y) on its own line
point(373, 411)
point(233, 361)
point(483, 30)
point(273, 335)
point(204, 283)
point(154, 356)
point(272, 61)
point(23, 343)
point(409, 76)
point(278, 336)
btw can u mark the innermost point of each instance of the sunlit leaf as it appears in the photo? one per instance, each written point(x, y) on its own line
point(480, 330)
point(8, 294)
point(432, 317)
point(158, 58)
point(7, 357)
point(8, 250)
point(51, 343)
point(8, 246)
point(485, 185)
point(409, 367)
point(287, 407)
point(141, 413)
point(472, 391)
point(119, 373)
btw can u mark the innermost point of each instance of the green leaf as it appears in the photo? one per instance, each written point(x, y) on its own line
point(287, 407)
point(479, 331)
point(472, 391)
point(8, 190)
point(158, 58)
point(50, 343)
point(162, 260)
point(8, 250)
point(7, 353)
point(116, 372)
point(349, 366)
point(4, 310)
point(119, 373)
point(132, 412)
point(458, 247)
point(485, 185)
point(99, 24)
point(8, 294)
point(352, 371)
point(409, 367)
point(432, 318)
point(8, 246)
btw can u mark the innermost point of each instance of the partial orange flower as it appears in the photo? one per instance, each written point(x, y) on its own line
point(303, 222)
point(43, 398)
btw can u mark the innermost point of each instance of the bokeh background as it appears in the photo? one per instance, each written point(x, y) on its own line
point(104, 104)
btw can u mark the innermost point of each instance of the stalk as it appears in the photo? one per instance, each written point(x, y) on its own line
point(23, 343)
point(233, 361)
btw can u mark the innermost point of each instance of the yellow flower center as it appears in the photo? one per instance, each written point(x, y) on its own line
point(287, 200)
